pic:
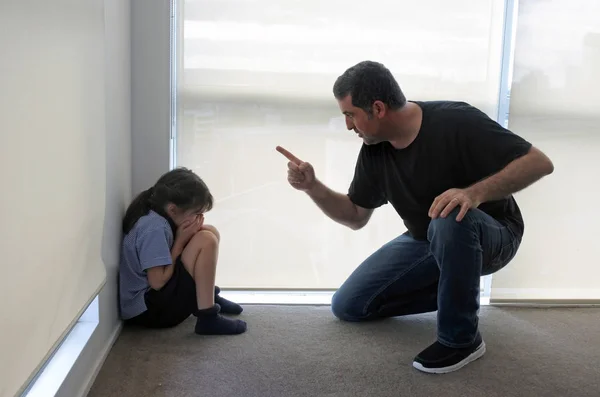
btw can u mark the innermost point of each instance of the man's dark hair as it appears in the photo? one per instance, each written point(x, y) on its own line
point(367, 82)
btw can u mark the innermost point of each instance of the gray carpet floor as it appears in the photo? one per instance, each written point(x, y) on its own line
point(292, 351)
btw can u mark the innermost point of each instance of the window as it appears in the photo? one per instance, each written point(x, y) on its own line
point(251, 75)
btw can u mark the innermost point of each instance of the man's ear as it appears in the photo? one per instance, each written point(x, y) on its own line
point(379, 109)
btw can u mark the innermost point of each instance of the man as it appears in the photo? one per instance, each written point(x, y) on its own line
point(450, 172)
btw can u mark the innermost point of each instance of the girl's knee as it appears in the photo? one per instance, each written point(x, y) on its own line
point(204, 239)
point(213, 230)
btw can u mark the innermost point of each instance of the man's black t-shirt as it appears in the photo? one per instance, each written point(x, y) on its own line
point(457, 146)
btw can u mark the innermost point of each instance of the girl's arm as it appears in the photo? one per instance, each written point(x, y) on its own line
point(176, 251)
point(158, 276)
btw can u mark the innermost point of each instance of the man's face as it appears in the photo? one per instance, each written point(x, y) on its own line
point(365, 125)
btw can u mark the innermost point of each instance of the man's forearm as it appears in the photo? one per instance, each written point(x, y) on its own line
point(515, 177)
point(336, 206)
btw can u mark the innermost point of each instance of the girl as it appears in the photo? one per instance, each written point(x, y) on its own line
point(169, 259)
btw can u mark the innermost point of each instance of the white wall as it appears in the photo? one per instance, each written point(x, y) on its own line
point(118, 191)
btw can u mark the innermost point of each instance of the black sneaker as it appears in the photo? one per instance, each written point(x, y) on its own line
point(440, 359)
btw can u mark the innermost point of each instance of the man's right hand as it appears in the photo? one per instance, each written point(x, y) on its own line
point(301, 175)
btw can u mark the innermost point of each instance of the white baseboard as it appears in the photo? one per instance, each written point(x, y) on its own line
point(102, 355)
point(534, 304)
point(545, 295)
point(317, 298)
point(279, 297)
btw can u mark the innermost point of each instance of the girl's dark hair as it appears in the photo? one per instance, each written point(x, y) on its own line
point(180, 186)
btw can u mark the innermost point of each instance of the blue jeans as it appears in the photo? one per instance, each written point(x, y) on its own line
point(408, 276)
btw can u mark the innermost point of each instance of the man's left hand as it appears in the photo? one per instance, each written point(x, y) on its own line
point(449, 200)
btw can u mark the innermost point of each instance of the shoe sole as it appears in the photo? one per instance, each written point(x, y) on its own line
point(478, 353)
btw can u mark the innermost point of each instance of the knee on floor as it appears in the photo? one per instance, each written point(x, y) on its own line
point(346, 309)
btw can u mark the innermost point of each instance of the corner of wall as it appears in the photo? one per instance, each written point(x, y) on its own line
point(151, 91)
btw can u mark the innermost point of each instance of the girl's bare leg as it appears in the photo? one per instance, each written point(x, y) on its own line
point(200, 260)
point(227, 306)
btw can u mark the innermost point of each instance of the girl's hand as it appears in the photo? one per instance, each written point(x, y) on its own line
point(187, 229)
